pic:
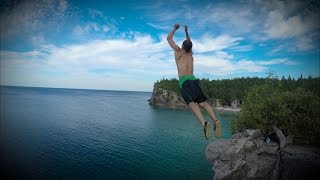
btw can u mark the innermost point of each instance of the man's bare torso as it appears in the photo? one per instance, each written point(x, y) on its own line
point(184, 62)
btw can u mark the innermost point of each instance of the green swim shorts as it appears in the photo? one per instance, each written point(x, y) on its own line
point(184, 78)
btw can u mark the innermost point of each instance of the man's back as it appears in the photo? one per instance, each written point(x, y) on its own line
point(184, 62)
point(183, 56)
point(188, 83)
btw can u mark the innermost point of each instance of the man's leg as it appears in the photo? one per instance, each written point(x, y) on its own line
point(209, 110)
point(196, 110)
point(206, 125)
point(217, 126)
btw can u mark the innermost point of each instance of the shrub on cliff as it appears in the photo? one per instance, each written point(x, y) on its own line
point(296, 112)
point(170, 85)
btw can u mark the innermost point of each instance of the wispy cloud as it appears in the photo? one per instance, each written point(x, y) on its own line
point(159, 27)
point(208, 43)
point(32, 17)
point(92, 27)
point(136, 57)
point(278, 61)
point(100, 49)
point(139, 57)
point(256, 20)
point(221, 64)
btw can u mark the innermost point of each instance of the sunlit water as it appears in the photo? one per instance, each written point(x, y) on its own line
point(82, 134)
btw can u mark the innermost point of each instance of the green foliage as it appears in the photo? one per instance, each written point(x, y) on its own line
point(171, 85)
point(292, 105)
point(295, 111)
point(228, 90)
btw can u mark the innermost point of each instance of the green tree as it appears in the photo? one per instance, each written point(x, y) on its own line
point(294, 112)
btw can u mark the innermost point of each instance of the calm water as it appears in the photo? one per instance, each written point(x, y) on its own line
point(81, 134)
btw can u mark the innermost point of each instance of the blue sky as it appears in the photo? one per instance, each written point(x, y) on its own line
point(121, 45)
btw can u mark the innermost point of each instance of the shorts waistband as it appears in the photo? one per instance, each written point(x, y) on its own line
point(184, 78)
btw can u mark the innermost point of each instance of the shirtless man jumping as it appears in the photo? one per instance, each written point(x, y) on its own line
point(188, 83)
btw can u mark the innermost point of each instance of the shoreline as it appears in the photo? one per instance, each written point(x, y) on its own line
point(227, 109)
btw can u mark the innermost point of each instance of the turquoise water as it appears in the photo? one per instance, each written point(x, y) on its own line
point(81, 134)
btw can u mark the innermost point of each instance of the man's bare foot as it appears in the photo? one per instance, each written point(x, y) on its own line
point(206, 130)
point(217, 129)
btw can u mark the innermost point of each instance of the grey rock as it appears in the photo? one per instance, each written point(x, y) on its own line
point(289, 139)
point(300, 162)
point(268, 148)
point(236, 136)
point(214, 150)
point(164, 98)
point(252, 133)
point(239, 158)
point(248, 156)
point(260, 165)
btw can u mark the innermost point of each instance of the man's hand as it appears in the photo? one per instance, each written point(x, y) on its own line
point(185, 27)
point(176, 26)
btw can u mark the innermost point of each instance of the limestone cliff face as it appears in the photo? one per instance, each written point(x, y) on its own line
point(247, 156)
point(164, 98)
point(170, 99)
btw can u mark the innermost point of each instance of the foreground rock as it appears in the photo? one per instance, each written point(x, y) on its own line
point(300, 162)
point(247, 156)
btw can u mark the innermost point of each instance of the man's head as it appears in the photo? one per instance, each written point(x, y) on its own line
point(187, 45)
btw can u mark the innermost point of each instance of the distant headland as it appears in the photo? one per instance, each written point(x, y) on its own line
point(223, 95)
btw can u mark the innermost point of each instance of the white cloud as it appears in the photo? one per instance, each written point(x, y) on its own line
point(208, 43)
point(217, 64)
point(241, 48)
point(160, 27)
point(96, 14)
point(38, 40)
point(250, 66)
point(231, 18)
point(88, 28)
point(297, 22)
point(92, 29)
point(289, 20)
point(105, 28)
point(32, 17)
point(223, 64)
point(279, 27)
point(305, 43)
point(278, 61)
point(140, 58)
point(277, 49)
point(78, 31)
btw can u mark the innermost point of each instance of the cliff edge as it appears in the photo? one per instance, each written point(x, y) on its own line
point(165, 98)
point(247, 156)
point(170, 99)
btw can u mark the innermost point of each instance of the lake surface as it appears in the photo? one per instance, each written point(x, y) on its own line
point(81, 134)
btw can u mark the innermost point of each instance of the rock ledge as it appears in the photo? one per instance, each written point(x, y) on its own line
point(247, 156)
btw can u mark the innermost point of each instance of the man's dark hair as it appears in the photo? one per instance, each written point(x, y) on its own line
point(187, 45)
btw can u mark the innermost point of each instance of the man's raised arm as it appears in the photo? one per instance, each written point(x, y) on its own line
point(170, 38)
point(187, 34)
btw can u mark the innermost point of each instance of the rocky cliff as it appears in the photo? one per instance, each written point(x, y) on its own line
point(247, 156)
point(165, 98)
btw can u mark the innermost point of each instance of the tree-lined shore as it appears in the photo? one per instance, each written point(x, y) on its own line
point(228, 90)
point(286, 105)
